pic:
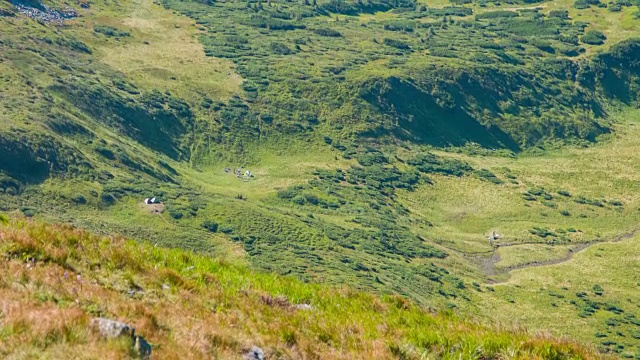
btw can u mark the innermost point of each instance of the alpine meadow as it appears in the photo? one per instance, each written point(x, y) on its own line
point(319, 179)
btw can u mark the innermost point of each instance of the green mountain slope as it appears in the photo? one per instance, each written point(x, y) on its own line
point(385, 140)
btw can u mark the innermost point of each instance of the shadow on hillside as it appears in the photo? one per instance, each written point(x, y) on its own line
point(156, 120)
point(21, 162)
point(421, 118)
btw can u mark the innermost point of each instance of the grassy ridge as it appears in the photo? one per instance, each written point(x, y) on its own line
point(72, 275)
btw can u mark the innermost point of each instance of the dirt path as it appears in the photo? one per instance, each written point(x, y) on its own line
point(487, 263)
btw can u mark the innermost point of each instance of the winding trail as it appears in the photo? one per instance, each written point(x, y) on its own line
point(488, 263)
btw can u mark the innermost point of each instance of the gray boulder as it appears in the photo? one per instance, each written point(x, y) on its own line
point(254, 354)
point(111, 329)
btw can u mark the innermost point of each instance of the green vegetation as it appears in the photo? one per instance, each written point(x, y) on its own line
point(386, 142)
point(593, 37)
point(594, 290)
point(71, 276)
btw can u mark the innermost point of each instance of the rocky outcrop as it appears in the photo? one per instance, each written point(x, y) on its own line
point(43, 13)
point(110, 329)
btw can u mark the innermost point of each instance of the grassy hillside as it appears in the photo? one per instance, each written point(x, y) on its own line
point(386, 140)
point(55, 278)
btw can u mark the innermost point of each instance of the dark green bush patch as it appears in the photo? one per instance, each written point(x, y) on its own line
point(593, 37)
point(110, 31)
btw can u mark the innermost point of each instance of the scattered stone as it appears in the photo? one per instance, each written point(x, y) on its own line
point(45, 14)
point(166, 287)
point(303, 307)
point(254, 354)
point(142, 347)
point(112, 329)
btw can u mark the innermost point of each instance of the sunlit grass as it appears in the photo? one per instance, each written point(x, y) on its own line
point(75, 275)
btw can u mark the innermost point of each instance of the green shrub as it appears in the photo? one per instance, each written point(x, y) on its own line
point(28, 211)
point(615, 202)
point(487, 175)
point(226, 229)
point(280, 49)
point(432, 164)
point(396, 44)
point(541, 232)
point(598, 290)
point(449, 11)
point(312, 199)
point(497, 14)
point(581, 200)
point(370, 158)
point(564, 193)
point(107, 153)
point(585, 4)
point(107, 198)
point(543, 45)
point(79, 199)
point(212, 226)
point(560, 14)
point(110, 31)
point(288, 193)
point(593, 37)
point(400, 26)
point(615, 7)
point(272, 24)
point(327, 32)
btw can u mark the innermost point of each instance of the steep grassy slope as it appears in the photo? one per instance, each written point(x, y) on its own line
point(55, 278)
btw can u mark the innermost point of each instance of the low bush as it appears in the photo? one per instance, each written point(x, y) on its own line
point(211, 226)
point(593, 37)
point(396, 44)
point(110, 31)
point(327, 32)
